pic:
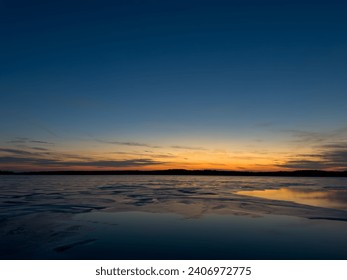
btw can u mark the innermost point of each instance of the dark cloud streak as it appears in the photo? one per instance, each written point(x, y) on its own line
point(53, 159)
point(15, 151)
point(96, 163)
point(332, 155)
point(134, 144)
point(188, 148)
point(24, 140)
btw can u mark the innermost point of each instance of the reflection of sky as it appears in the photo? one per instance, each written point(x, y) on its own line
point(329, 199)
point(247, 82)
point(153, 236)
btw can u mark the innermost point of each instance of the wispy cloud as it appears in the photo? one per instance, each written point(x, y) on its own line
point(314, 137)
point(23, 151)
point(137, 144)
point(188, 148)
point(329, 150)
point(44, 128)
point(304, 164)
point(44, 158)
point(96, 163)
point(24, 140)
point(15, 151)
point(152, 155)
point(41, 142)
point(38, 148)
point(127, 143)
point(332, 155)
point(118, 163)
point(18, 140)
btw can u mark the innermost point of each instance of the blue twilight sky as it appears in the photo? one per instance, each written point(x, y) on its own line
point(215, 84)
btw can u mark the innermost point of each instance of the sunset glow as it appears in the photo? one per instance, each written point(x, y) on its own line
point(144, 86)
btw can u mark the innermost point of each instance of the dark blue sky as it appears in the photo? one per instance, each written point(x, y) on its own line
point(238, 76)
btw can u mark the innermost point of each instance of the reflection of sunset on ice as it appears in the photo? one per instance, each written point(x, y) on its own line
point(327, 198)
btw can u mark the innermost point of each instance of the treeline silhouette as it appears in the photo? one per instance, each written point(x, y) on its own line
point(296, 173)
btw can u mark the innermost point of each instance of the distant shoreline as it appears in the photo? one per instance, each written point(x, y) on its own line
point(179, 172)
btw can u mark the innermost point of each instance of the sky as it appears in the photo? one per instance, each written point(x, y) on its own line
point(144, 85)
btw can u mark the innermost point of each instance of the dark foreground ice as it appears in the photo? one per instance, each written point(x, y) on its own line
point(172, 217)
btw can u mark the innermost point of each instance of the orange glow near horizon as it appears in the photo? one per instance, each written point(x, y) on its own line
point(183, 160)
point(104, 156)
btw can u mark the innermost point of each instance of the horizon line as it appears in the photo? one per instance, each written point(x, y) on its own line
point(196, 172)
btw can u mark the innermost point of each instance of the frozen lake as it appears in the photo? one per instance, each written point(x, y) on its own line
point(172, 217)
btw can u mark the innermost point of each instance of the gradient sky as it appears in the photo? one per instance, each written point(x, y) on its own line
point(232, 85)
